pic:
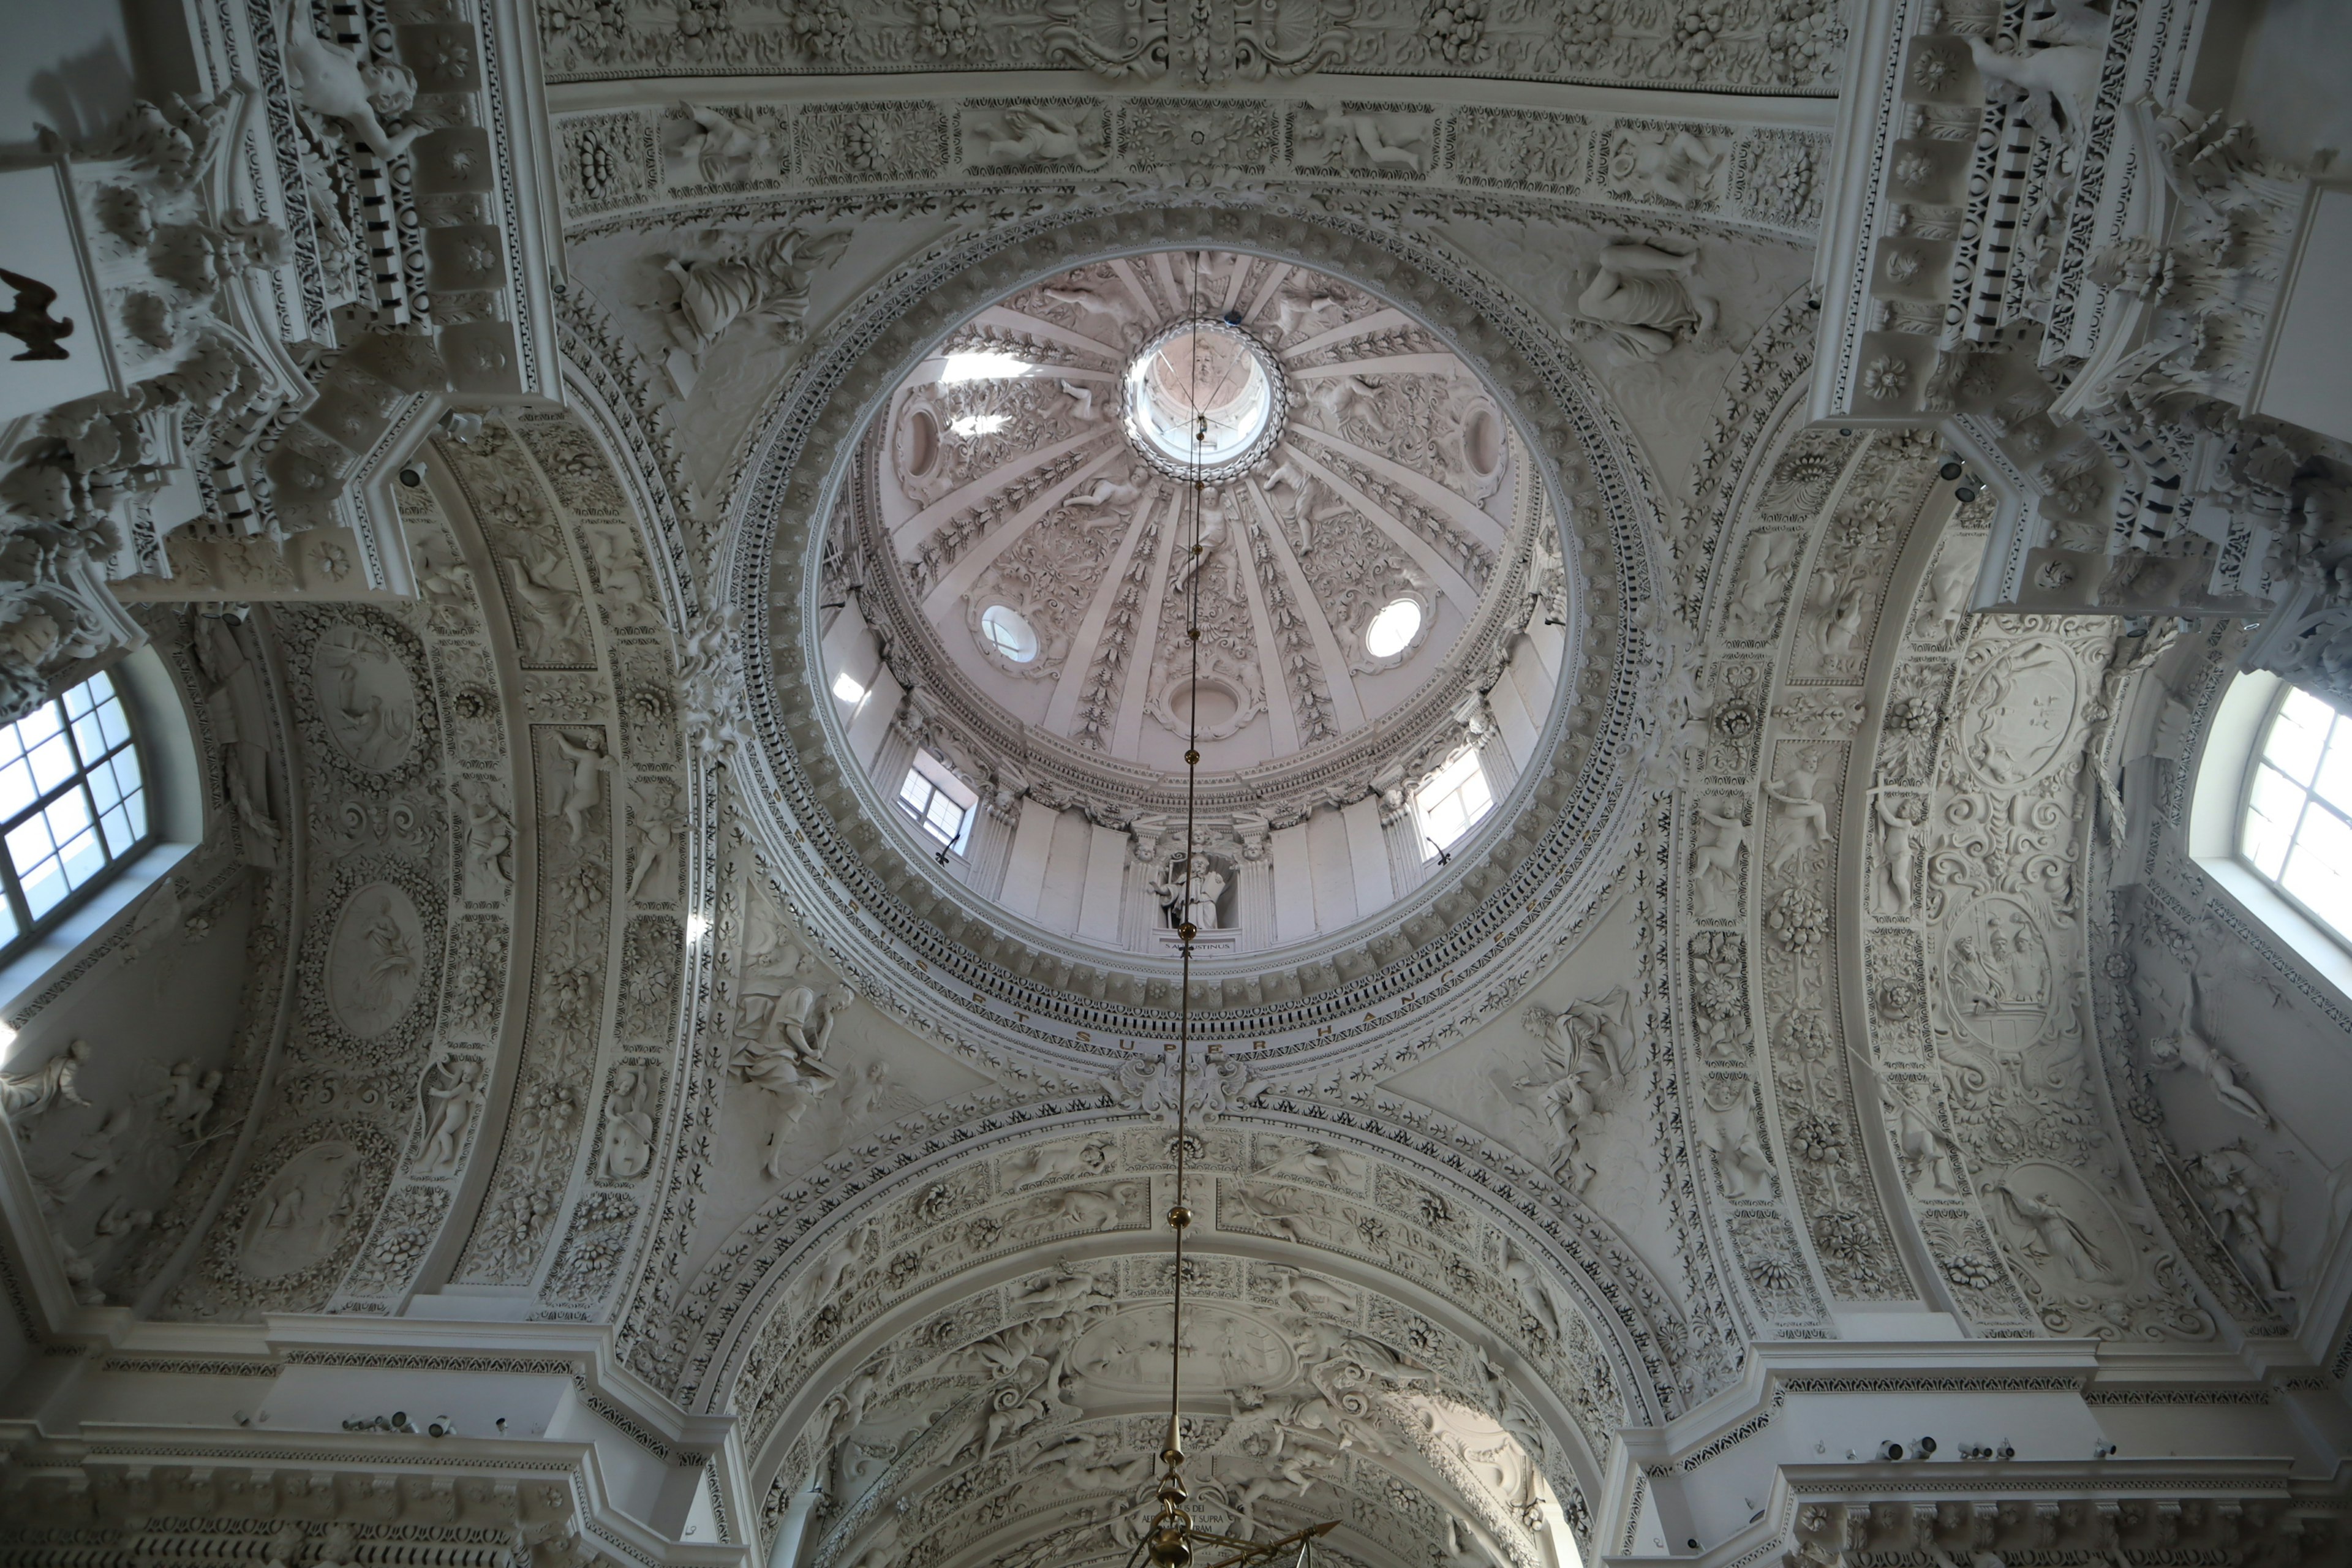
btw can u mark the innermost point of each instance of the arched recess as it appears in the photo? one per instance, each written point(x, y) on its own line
point(1005, 1230)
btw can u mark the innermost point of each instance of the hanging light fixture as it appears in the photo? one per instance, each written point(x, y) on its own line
point(1172, 1540)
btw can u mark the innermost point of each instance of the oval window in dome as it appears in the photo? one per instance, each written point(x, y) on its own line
point(1008, 631)
point(1391, 631)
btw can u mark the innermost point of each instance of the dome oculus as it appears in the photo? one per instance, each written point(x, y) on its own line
point(1391, 631)
point(1203, 396)
point(1008, 631)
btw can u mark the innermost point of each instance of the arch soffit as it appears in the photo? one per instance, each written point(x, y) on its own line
point(1630, 1317)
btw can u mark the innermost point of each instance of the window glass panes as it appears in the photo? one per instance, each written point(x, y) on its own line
point(936, 812)
point(2296, 832)
point(1452, 803)
point(72, 804)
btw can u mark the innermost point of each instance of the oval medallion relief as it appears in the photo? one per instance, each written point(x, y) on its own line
point(367, 700)
point(375, 960)
point(2020, 709)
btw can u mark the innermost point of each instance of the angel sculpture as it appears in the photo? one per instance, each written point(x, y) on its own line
point(771, 280)
point(787, 1060)
point(1587, 1045)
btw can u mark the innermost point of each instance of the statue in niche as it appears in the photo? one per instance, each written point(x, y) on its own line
point(25, 1096)
point(2187, 1048)
point(1642, 297)
point(787, 1060)
point(452, 1092)
point(1193, 899)
point(2058, 1237)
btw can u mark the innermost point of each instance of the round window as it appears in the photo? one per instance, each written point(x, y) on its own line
point(1201, 398)
point(1008, 631)
point(1391, 631)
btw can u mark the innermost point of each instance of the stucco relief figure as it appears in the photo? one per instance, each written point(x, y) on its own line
point(719, 149)
point(1319, 1162)
point(543, 593)
point(1211, 546)
point(1898, 838)
point(1718, 837)
point(1107, 303)
point(25, 1096)
point(452, 1092)
point(2188, 1048)
point(629, 1151)
point(98, 1154)
point(1298, 314)
point(1032, 135)
point(365, 697)
point(334, 83)
point(1643, 296)
point(487, 858)
point(1339, 130)
point(186, 1102)
point(1588, 1045)
point(770, 281)
point(1672, 165)
point(1804, 820)
point(1057, 1162)
point(583, 791)
point(1926, 1154)
point(2248, 1207)
point(1764, 575)
point(653, 802)
point(1193, 898)
point(627, 597)
point(1729, 1132)
point(2058, 1237)
point(1528, 1282)
point(787, 1060)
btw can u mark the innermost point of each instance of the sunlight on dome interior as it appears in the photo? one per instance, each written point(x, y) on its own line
point(1201, 394)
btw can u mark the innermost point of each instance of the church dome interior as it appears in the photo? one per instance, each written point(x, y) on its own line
point(1084, 469)
point(1329, 783)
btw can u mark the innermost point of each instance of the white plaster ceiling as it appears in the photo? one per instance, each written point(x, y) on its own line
point(1006, 474)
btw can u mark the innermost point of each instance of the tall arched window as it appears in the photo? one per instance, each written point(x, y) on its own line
point(2294, 827)
point(73, 808)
